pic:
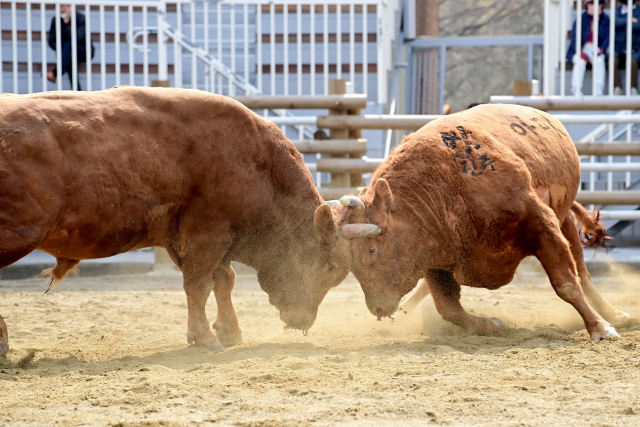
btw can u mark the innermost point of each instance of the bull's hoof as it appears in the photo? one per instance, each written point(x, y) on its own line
point(226, 336)
point(617, 318)
point(212, 344)
point(604, 332)
point(4, 348)
point(501, 323)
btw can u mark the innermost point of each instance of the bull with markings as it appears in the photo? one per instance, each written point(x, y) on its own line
point(91, 175)
point(461, 202)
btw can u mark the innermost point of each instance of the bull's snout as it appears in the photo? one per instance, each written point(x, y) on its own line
point(296, 319)
point(380, 309)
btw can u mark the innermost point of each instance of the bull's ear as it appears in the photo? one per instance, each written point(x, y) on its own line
point(326, 229)
point(382, 201)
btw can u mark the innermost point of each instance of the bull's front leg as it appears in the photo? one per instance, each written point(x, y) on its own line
point(197, 270)
point(4, 337)
point(446, 297)
point(547, 244)
point(226, 325)
point(198, 330)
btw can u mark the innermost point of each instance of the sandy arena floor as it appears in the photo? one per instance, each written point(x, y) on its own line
point(111, 351)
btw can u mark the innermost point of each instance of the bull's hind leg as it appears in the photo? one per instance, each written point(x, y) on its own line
point(601, 305)
point(545, 241)
point(419, 293)
point(226, 324)
point(446, 296)
point(4, 337)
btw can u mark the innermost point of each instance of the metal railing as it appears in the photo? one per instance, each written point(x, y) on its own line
point(283, 47)
point(560, 16)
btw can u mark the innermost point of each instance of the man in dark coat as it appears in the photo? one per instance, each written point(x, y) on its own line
point(622, 13)
point(65, 42)
point(585, 53)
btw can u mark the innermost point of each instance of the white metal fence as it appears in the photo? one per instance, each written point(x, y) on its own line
point(229, 47)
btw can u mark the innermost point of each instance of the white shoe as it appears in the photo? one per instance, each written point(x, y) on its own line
point(634, 91)
point(618, 91)
point(599, 92)
point(576, 92)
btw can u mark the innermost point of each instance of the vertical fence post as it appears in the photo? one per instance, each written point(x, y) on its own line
point(163, 75)
point(339, 87)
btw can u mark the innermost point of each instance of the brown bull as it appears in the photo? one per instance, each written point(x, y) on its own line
point(461, 202)
point(90, 175)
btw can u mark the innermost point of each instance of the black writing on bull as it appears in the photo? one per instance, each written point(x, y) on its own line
point(469, 160)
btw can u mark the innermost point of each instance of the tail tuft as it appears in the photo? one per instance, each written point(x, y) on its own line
point(57, 273)
point(592, 231)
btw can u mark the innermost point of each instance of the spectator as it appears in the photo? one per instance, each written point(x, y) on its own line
point(621, 46)
point(65, 42)
point(447, 109)
point(585, 53)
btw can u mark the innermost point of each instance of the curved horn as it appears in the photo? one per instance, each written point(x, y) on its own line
point(333, 204)
point(353, 202)
point(352, 231)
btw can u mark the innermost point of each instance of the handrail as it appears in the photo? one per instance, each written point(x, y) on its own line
point(572, 103)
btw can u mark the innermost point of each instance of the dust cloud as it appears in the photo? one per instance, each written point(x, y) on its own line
point(112, 351)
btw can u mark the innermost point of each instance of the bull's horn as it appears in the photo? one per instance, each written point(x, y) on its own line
point(353, 202)
point(352, 231)
point(333, 204)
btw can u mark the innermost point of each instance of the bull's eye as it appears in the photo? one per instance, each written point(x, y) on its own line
point(372, 250)
point(330, 268)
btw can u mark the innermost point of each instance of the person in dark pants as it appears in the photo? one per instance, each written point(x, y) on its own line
point(621, 46)
point(65, 42)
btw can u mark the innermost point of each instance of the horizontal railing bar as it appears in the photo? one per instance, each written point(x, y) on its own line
point(334, 193)
point(572, 103)
point(620, 215)
point(342, 102)
point(608, 148)
point(414, 122)
point(609, 167)
point(292, 120)
point(596, 119)
point(608, 197)
point(349, 165)
point(375, 121)
point(332, 146)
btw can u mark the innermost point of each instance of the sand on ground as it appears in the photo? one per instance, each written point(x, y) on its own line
point(112, 351)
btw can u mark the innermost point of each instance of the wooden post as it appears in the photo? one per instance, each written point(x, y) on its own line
point(160, 83)
point(522, 88)
point(339, 87)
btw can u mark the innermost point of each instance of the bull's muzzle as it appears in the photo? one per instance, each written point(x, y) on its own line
point(296, 319)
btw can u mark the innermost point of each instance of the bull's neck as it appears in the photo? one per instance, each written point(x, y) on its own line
point(288, 226)
point(287, 219)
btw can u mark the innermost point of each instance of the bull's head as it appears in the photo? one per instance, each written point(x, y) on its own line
point(299, 279)
point(384, 259)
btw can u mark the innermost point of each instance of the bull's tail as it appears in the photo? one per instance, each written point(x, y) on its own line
point(592, 231)
point(57, 273)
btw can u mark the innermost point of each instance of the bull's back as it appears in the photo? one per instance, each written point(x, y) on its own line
point(105, 168)
point(512, 133)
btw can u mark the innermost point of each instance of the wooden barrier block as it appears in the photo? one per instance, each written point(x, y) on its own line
point(160, 83)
